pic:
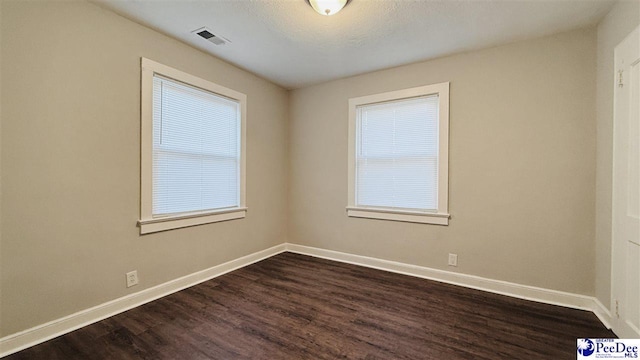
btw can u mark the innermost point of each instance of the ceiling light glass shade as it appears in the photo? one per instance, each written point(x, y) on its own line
point(327, 7)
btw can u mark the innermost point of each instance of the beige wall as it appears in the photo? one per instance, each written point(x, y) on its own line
point(1, 318)
point(70, 162)
point(522, 169)
point(621, 20)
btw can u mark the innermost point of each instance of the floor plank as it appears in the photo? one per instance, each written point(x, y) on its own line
point(293, 306)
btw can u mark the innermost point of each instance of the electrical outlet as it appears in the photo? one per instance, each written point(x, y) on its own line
point(132, 278)
point(453, 259)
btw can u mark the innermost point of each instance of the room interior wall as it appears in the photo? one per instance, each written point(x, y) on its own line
point(621, 20)
point(522, 170)
point(522, 180)
point(0, 160)
point(71, 162)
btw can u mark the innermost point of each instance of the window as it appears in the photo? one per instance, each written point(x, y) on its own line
point(192, 150)
point(398, 155)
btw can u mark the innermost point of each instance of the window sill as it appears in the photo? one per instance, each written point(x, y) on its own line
point(399, 215)
point(148, 226)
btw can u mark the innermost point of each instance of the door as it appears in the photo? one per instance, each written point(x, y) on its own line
point(625, 284)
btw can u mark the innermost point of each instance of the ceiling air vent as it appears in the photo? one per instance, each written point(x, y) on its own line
point(206, 34)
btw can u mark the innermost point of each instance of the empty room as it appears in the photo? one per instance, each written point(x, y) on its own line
point(319, 179)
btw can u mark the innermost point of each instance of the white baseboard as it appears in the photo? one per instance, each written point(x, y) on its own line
point(547, 296)
point(41, 333)
point(602, 313)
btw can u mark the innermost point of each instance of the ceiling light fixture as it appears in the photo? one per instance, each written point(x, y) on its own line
point(327, 7)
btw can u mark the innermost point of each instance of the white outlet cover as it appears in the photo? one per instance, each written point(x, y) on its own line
point(132, 278)
point(453, 259)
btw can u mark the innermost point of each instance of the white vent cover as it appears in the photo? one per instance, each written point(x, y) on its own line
point(208, 35)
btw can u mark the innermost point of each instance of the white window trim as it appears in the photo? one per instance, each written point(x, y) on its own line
point(148, 223)
point(441, 216)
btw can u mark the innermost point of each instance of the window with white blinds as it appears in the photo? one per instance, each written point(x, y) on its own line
point(196, 149)
point(398, 151)
point(192, 150)
point(399, 162)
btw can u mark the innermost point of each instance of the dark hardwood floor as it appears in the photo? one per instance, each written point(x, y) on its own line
point(298, 307)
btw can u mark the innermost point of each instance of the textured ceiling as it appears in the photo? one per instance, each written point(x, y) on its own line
point(288, 43)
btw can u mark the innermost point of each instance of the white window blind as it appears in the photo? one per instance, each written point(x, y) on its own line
point(196, 149)
point(397, 154)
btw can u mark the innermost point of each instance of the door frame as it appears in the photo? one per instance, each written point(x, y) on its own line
point(629, 48)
